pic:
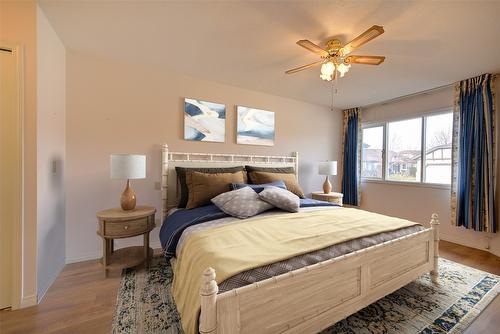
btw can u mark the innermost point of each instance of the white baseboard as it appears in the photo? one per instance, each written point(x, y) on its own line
point(28, 301)
point(42, 294)
point(460, 241)
point(97, 254)
point(84, 257)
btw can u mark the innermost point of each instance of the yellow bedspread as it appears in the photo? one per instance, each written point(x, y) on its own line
point(252, 243)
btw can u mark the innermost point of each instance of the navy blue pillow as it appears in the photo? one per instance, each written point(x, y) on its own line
point(259, 187)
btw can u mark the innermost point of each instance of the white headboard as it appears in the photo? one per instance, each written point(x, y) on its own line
point(170, 160)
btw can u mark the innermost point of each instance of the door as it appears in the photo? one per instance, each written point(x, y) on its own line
point(10, 171)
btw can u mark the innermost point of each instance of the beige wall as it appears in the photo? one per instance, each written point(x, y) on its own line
point(418, 202)
point(51, 104)
point(115, 107)
point(18, 27)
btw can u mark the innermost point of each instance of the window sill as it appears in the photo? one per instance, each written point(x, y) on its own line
point(409, 184)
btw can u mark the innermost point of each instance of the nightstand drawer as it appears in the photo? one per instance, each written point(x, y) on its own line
point(131, 227)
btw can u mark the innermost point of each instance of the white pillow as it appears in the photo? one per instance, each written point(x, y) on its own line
point(241, 203)
point(281, 198)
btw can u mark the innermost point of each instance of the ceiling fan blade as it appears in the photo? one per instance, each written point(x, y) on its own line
point(362, 39)
point(365, 60)
point(307, 44)
point(298, 69)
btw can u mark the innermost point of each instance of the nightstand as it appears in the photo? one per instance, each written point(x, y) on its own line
point(117, 224)
point(330, 197)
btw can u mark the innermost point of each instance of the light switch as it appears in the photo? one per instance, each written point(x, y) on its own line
point(54, 166)
point(157, 185)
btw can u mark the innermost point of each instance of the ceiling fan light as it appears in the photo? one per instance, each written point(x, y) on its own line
point(326, 77)
point(327, 69)
point(343, 69)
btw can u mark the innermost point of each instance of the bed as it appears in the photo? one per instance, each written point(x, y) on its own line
point(308, 297)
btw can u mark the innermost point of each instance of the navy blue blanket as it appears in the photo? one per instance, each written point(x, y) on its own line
point(173, 225)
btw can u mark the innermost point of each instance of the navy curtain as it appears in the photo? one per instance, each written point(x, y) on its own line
point(351, 164)
point(473, 190)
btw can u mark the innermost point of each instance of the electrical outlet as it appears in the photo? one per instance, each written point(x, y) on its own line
point(157, 185)
point(54, 166)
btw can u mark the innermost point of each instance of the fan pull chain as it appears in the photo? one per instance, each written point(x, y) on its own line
point(334, 90)
point(331, 108)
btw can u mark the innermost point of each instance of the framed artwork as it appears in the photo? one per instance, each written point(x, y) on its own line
point(255, 126)
point(204, 121)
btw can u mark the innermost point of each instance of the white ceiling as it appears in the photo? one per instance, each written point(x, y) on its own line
point(250, 44)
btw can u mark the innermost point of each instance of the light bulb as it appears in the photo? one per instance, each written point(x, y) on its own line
point(326, 77)
point(327, 69)
point(343, 69)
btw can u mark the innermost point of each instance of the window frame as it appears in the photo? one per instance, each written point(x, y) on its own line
point(384, 125)
point(375, 125)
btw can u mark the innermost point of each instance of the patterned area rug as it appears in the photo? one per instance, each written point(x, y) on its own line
point(145, 305)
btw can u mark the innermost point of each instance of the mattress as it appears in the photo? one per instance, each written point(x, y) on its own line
point(297, 262)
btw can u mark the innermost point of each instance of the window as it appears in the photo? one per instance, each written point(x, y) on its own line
point(415, 150)
point(373, 144)
point(404, 146)
point(438, 148)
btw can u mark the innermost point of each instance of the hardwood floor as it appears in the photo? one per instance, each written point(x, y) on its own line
point(82, 301)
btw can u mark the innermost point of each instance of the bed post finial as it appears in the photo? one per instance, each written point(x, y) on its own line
point(296, 155)
point(435, 231)
point(208, 293)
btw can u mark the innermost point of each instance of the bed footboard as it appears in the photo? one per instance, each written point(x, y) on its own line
point(310, 299)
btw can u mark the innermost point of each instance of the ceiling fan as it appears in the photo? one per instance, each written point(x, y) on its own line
point(335, 57)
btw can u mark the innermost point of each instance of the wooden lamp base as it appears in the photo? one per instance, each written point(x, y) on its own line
point(128, 199)
point(327, 186)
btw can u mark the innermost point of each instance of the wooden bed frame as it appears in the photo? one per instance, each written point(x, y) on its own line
point(312, 298)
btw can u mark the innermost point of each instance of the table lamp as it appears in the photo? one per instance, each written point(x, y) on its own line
point(128, 166)
point(327, 168)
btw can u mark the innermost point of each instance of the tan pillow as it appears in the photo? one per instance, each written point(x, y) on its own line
point(203, 186)
point(290, 180)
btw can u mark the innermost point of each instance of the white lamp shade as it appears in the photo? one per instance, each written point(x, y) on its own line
point(327, 168)
point(128, 166)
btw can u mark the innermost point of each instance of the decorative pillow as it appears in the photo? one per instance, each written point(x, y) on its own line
point(282, 170)
point(241, 203)
point(181, 178)
point(290, 180)
point(259, 187)
point(202, 187)
point(281, 198)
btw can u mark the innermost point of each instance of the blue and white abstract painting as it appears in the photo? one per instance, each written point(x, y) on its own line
point(255, 126)
point(204, 121)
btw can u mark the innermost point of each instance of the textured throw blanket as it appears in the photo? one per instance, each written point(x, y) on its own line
point(255, 242)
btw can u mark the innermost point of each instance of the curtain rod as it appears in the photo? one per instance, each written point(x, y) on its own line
point(412, 95)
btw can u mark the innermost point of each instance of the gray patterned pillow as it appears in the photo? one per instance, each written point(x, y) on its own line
point(281, 198)
point(241, 203)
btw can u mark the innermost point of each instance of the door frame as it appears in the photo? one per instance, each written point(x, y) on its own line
point(17, 230)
